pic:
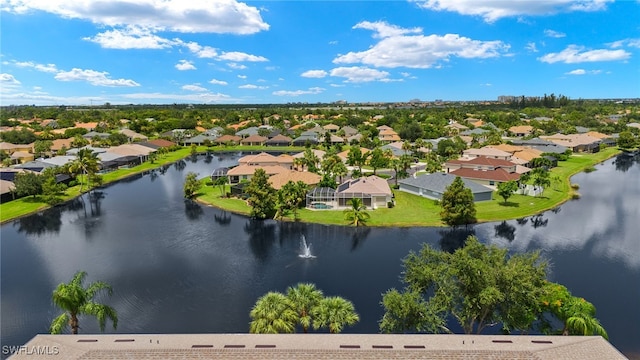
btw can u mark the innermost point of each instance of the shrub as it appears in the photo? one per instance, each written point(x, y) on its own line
point(575, 186)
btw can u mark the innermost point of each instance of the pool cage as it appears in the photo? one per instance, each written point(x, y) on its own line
point(323, 198)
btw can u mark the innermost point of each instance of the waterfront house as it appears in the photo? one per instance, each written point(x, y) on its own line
point(486, 152)
point(278, 140)
point(265, 159)
point(254, 140)
point(279, 180)
point(432, 186)
point(374, 192)
point(228, 140)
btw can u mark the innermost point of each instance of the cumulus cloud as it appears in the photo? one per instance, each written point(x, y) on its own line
point(491, 11)
point(194, 87)
point(318, 74)
point(554, 34)
point(310, 91)
point(193, 16)
point(184, 65)
point(93, 77)
point(583, 72)
point(218, 82)
point(240, 56)
point(358, 74)
point(419, 51)
point(574, 54)
point(383, 29)
point(8, 79)
point(131, 37)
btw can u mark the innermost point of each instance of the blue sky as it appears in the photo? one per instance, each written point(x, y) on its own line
point(82, 52)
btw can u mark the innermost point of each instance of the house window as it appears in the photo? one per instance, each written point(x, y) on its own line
point(491, 182)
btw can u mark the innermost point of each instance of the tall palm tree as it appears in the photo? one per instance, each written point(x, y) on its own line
point(77, 300)
point(86, 163)
point(304, 297)
point(334, 313)
point(357, 214)
point(273, 314)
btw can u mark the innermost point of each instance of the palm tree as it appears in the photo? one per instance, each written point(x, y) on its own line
point(305, 297)
point(86, 163)
point(334, 313)
point(357, 214)
point(273, 314)
point(578, 318)
point(76, 300)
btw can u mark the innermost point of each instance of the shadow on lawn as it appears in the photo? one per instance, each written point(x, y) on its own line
point(509, 204)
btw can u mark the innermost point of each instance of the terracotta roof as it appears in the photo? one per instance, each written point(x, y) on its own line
point(480, 160)
point(318, 153)
point(250, 169)
point(498, 174)
point(228, 138)
point(320, 346)
point(88, 126)
point(254, 139)
point(506, 147)
point(279, 139)
point(597, 135)
point(6, 186)
point(486, 151)
point(367, 185)
point(161, 142)
point(309, 178)
point(331, 127)
point(261, 158)
point(59, 143)
point(524, 129)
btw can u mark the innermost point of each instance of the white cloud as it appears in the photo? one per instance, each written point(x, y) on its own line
point(193, 16)
point(93, 77)
point(242, 76)
point(194, 87)
point(318, 74)
point(625, 42)
point(240, 56)
point(493, 10)
point(8, 79)
point(383, 29)
point(337, 85)
point(218, 82)
point(574, 54)
point(183, 65)
point(356, 74)
point(49, 68)
point(236, 66)
point(583, 72)
point(200, 51)
point(253, 87)
point(554, 34)
point(420, 51)
point(531, 46)
point(131, 37)
point(190, 98)
point(310, 91)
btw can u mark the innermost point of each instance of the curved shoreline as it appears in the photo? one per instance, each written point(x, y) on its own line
point(567, 196)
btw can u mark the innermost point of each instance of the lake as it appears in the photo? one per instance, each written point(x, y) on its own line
point(179, 267)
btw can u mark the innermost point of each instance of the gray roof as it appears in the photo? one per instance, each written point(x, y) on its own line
point(394, 150)
point(199, 139)
point(92, 134)
point(58, 160)
point(478, 131)
point(248, 131)
point(438, 182)
point(319, 346)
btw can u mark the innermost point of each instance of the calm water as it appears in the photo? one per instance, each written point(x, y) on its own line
point(179, 267)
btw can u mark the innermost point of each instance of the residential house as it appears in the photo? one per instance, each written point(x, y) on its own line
point(60, 144)
point(396, 149)
point(278, 140)
point(519, 154)
point(199, 139)
point(10, 148)
point(331, 128)
point(6, 191)
point(228, 140)
point(486, 152)
point(265, 159)
point(576, 142)
point(374, 192)
point(254, 140)
point(21, 157)
point(485, 171)
point(349, 131)
point(306, 138)
point(541, 145)
point(608, 140)
point(279, 180)
point(91, 135)
point(89, 126)
point(157, 143)
point(387, 135)
point(245, 172)
point(250, 131)
point(432, 186)
point(455, 128)
point(521, 130)
point(133, 136)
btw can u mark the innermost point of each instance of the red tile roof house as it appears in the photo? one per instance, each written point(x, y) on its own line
point(484, 171)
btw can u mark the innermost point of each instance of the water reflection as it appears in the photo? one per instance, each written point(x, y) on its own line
point(453, 239)
point(262, 236)
point(505, 231)
point(539, 221)
point(41, 223)
point(358, 236)
point(180, 165)
point(625, 161)
point(192, 209)
point(222, 217)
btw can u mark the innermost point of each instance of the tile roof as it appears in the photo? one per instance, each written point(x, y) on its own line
point(480, 160)
point(486, 151)
point(309, 178)
point(498, 174)
point(250, 169)
point(373, 185)
point(228, 138)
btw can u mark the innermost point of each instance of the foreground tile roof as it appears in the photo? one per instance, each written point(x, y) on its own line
point(317, 346)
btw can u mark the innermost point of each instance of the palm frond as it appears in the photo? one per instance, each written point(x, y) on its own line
point(59, 324)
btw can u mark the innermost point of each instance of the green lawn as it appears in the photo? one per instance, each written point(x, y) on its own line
point(413, 210)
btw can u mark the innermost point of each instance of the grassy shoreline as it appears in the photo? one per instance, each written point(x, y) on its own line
point(413, 210)
point(410, 210)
